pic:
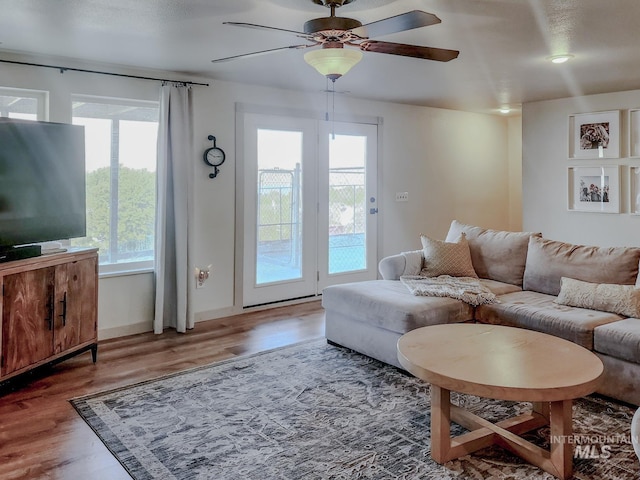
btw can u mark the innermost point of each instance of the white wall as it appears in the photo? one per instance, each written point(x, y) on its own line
point(455, 165)
point(545, 160)
point(515, 172)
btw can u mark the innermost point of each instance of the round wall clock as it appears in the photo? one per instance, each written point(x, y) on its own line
point(214, 157)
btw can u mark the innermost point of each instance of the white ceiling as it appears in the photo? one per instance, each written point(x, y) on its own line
point(503, 43)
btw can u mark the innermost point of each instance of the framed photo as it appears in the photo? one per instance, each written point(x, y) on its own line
point(594, 189)
point(594, 135)
point(634, 132)
point(634, 190)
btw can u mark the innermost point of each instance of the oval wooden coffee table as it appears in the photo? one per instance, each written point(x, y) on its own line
point(503, 363)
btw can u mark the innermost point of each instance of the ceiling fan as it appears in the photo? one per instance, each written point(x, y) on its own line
point(333, 34)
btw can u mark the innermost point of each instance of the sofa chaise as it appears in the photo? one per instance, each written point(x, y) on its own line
point(585, 294)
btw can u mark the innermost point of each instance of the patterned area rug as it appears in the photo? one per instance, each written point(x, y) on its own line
point(315, 411)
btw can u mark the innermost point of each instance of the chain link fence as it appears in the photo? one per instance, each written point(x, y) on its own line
point(280, 224)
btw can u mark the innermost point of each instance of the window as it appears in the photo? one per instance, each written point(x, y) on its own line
point(120, 145)
point(23, 104)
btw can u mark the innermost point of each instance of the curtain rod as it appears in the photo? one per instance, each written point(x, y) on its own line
point(64, 69)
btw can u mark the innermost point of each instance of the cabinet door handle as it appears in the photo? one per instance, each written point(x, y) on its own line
point(64, 309)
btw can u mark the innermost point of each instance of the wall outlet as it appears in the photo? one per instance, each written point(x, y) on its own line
point(402, 196)
point(202, 275)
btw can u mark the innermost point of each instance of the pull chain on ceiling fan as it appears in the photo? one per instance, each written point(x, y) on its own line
point(342, 40)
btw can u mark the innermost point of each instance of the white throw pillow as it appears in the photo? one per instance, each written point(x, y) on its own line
point(635, 432)
point(447, 258)
point(605, 297)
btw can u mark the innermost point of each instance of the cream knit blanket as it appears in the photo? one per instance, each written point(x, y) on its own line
point(467, 289)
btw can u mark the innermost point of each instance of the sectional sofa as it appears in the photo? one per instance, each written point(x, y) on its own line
point(585, 294)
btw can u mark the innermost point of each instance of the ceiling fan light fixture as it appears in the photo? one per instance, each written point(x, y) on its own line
point(560, 58)
point(333, 62)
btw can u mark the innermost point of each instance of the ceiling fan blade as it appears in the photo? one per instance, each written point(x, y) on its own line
point(399, 23)
point(263, 27)
point(415, 51)
point(262, 52)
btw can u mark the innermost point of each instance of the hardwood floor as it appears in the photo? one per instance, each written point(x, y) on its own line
point(42, 436)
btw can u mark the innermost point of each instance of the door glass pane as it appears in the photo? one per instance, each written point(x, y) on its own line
point(347, 203)
point(279, 229)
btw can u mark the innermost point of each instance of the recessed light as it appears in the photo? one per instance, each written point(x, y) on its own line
point(560, 58)
point(505, 110)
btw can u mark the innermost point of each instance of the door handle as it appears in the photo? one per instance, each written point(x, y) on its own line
point(373, 211)
point(64, 309)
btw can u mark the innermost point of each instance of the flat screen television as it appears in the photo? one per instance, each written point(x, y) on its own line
point(42, 183)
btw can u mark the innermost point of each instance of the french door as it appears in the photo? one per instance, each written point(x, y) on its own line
point(309, 206)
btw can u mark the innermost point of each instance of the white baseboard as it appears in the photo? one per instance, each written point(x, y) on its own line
point(123, 331)
point(217, 313)
point(143, 327)
point(236, 310)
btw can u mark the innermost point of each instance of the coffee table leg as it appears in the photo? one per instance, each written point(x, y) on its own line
point(558, 461)
point(541, 408)
point(440, 423)
point(561, 428)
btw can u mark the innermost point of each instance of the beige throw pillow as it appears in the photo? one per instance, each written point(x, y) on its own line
point(550, 260)
point(496, 254)
point(447, 258)
point(606, 297)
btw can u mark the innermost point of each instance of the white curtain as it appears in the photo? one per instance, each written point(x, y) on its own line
point(174, 210)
